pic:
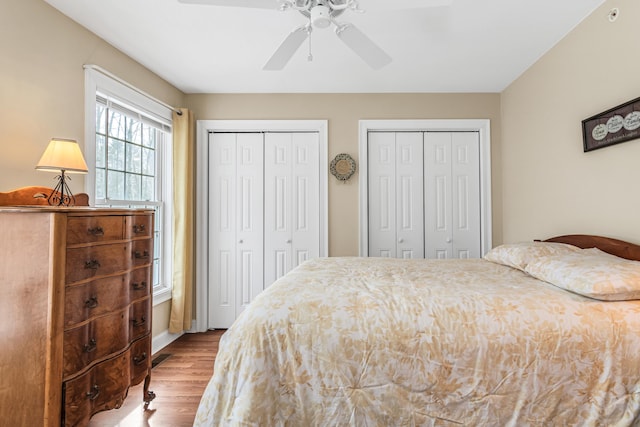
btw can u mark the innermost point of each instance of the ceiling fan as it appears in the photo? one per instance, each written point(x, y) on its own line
point(321, 14)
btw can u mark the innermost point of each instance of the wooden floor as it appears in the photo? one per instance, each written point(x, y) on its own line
point(178, 382)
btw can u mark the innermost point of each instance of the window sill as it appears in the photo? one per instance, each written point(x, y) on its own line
point(160, 295)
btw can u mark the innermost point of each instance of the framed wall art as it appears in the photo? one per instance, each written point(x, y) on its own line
point(342, 167)
point(619, 124)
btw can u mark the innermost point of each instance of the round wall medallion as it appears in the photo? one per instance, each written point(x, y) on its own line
point(343, 166)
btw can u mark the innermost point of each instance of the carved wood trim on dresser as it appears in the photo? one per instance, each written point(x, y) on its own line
point(76, 311)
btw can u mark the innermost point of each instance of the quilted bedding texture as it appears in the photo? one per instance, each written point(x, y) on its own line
point(388, 342)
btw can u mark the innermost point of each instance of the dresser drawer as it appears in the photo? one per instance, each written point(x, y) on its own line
point(101, 296)
point(93, 229)
point(103, 387)
point(95, 299)
point(100, 260)
point(140, 359)
point(142, 252)
point(138, 226)
point(140, 319)
point(95, 340)
point(139, 283)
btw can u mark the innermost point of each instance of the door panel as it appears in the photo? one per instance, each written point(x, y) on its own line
point(382, 188)
point(236, 230)
point(277, 192)
point(438, 195)
point(409, 195)
point(466, 194)
point(249, 250)
point(264, 201)
point(292, 200)
point(305, 170)
point(424, 194)
point(222, 235)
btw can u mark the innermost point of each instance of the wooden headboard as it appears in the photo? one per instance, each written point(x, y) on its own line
point(29, 196)
point(613, 246)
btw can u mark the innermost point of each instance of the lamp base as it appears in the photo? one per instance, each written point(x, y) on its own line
point(61, 194)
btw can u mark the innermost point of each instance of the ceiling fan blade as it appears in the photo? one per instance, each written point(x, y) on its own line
point(402, 4)
point(286, 50)
point(257, 4)
point(362, 45)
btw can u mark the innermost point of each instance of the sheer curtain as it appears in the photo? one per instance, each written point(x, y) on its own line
point(183, 221)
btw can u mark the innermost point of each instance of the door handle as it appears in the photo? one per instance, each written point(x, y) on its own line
point(289, 241)
point(401, 240)
point(449, 240)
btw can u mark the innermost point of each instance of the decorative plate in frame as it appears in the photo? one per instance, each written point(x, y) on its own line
point(342, 167)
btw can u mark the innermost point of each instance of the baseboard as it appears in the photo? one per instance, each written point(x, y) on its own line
point(162, 340)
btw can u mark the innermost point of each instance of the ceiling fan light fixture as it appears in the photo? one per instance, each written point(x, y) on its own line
point(296, 4)
point(320, 16)
point(343, 4)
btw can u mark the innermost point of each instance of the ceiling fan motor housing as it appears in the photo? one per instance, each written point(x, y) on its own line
point(320, 16)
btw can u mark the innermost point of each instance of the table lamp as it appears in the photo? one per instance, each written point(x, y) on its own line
point(64, 156)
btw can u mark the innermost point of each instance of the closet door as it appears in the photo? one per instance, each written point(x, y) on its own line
point(409, 195)
point(291, 202)
point(395, 166)
point(235, 224)
point(452, 195)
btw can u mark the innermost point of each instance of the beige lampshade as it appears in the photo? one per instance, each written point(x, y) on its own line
point(62, 154)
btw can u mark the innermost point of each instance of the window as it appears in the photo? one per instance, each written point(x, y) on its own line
point(128, 150)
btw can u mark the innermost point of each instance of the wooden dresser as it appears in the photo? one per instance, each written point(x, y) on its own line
point(76, 312)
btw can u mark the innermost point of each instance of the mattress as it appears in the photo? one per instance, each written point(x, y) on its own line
point(389, 342)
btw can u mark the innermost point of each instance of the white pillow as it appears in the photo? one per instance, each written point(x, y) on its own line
point(592, 273)
point(518, 255)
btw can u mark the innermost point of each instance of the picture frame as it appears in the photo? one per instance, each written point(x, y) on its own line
point(342, 167)
point(616, 125)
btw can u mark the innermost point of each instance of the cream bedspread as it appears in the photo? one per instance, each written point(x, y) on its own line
point(387, 342)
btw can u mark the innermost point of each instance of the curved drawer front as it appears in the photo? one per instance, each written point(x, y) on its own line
point(96, 298)
point(140, 359)
point(140, 319)
point(97, 339)
point(138, 226)
point(139, 283)
point(94, 229)
point(85, 263)
point(103, 387)
point(141, 252)
point(102, 296)
point(106, 341)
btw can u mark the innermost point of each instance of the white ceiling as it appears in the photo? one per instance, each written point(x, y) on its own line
point(469, 46)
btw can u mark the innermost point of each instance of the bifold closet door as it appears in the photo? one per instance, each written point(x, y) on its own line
point(452, 194)
point(235, 224)
point(291, 202)
point(396, 223)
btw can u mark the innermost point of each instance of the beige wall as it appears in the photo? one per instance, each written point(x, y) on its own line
point(343, 111)
point(42, 91)
point(550, 186)
point(543, 184)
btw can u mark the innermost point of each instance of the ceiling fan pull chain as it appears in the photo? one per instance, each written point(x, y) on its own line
point(310, 57)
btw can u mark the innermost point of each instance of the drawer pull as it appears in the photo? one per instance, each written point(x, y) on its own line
point(141, 255)
point(96, 231)
point(94, 393)
point(94, 264)
point(91, 302)
point(139, 286)
point(88, 348)
point(140, 322)
point(139, 228)
point(137, 360)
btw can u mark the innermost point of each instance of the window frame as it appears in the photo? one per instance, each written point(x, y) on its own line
point(99, 83)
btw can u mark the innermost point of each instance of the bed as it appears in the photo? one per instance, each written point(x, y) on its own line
point(535, 334)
